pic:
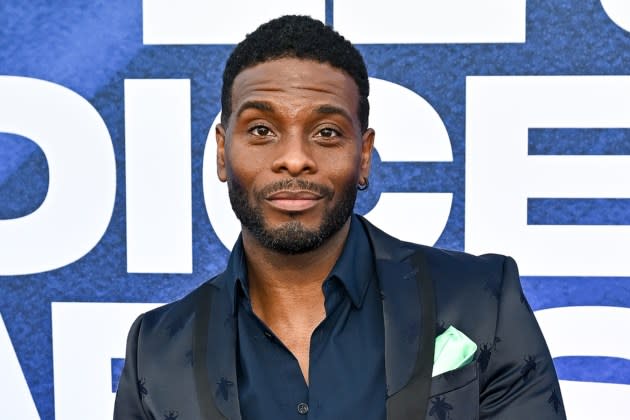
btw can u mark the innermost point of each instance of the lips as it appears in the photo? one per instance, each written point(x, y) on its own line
point(293, 201)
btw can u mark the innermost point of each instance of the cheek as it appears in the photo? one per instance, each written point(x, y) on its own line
point(344, 167)
point(251, 173)
point(243, 164)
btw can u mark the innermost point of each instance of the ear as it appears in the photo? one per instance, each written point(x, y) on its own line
point(221, 170)
point(367, 146)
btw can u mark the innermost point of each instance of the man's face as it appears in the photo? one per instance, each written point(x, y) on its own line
point(293, 152)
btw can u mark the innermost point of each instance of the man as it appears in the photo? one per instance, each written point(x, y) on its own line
point(319, 314)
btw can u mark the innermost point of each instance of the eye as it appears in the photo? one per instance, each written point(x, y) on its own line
point(328, 132)
point(260, 130)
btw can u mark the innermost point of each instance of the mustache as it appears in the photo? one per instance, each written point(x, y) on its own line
point(295, 184)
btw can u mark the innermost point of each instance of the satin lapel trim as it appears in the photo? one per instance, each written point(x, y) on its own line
point(214, 355)
point(401, 307)
point(412, 400)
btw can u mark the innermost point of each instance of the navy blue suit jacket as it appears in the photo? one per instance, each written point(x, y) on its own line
point(181, 358)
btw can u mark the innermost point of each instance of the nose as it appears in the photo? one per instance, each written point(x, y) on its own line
point(294, 156)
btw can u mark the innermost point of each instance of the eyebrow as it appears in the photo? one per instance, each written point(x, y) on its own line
point(267, 107)
point(259, 105)
point(333, 110)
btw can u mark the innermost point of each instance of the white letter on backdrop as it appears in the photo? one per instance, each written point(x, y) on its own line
point(501, 176)
point(158, 177)
point(430, 22)
point(589, 331)
point(215, 22)
point(82, 176)
point(619, 12)
point(15, 397)
point(86, 337)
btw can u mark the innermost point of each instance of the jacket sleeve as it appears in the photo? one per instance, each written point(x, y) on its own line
point(131, 391)
point(521, 381)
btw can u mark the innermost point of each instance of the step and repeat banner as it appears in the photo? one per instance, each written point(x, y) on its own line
point(502, 125)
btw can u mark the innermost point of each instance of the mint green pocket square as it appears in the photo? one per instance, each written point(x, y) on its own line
point(452, 350)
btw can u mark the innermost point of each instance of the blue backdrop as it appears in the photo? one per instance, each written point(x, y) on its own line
point(92, 47)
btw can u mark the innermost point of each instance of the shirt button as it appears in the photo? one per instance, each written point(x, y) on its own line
point(302, 408)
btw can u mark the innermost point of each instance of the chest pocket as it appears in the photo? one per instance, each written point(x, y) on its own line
point(455, 395)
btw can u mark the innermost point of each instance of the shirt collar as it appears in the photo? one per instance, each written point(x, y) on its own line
point(235, 275)
point(354, 268)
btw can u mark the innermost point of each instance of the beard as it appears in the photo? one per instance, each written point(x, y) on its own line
point(291, 237)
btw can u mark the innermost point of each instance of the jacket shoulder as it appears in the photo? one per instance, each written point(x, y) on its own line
point(456, 261)
point(174, 316)
point(389, 247)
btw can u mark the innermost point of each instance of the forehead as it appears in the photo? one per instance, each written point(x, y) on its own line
point(292, 80)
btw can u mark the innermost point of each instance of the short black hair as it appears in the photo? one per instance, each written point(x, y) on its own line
point(296, 37)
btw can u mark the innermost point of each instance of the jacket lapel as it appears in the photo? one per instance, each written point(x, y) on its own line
point(400, 307)
point(215, 355)
point(409, 319)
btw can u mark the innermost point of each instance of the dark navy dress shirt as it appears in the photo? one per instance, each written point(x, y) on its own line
point(347, 356)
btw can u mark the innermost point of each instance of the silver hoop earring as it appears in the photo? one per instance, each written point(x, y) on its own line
point(364, 186)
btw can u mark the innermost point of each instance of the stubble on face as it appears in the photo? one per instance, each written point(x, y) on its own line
point(291, 237)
